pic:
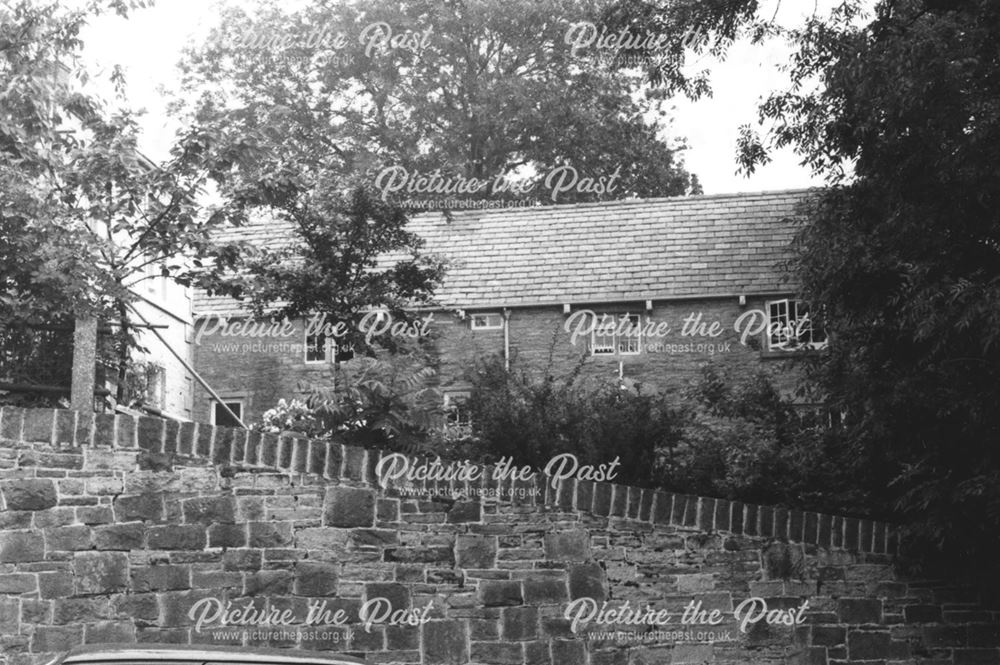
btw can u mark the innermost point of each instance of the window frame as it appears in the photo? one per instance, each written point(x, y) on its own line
point(614, 348)
point(787, 331)
point(240, 402)
point(329, 345)
point(472, 321)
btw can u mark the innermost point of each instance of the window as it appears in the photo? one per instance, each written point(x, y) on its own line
point(790, 328)
point(486, 321)
point(616, 335)
point(155, 386)
point(222, 418)
point(323, 349)
point(319, 348)
point(458, 421)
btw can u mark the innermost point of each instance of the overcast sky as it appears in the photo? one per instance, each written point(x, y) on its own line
point(148, 44)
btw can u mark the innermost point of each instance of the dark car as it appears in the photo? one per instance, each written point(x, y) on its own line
point(170, 654)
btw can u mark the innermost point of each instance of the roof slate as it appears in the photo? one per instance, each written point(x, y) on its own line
point(630, 250)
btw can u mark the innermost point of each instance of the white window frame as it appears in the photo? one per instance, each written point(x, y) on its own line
point(779, 337)
point(473, 317)
point(618, 345)
point(240, 402)
point(329, 350)
point(455, 402)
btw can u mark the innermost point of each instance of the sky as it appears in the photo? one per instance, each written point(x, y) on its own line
point(147, 46)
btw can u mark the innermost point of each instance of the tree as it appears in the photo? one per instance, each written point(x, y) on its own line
point(82, 213)
point(472, 89)
point(898, 111)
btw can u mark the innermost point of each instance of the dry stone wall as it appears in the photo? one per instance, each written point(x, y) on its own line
point(122, 529)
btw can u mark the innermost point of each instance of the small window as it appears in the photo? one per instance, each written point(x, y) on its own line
point(156, 379)
point(222, 418)
point(790, 327)
point(319, 349)
point(616, 334)
point(486, 321)
point(458, 420)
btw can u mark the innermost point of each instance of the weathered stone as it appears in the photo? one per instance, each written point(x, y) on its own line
point(465, 511)
point(177, 537)
point(397, 594)
point(587, 581)
point(859, 610)
point(227, 535)
point(568, 546)
point(100, 572)
point(160, 578)
point(497, 593)
point(565, 652)
point(545, 591)
point(210, 510)
point(16, 583)
point(315, 578)
point(55, 584)
point(80, 610)
point(349, 506)
point(68, 538)
point(47, 639)
point(21, 546)
point(475, 551)
point(28, 494)
point(445, 643)
point(519, 623)
point(119, 536)
point(142, 507)
point(269, 583)
point(270, 534)
point(110, 632)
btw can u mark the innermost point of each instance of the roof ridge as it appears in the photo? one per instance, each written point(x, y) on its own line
point(680, 198)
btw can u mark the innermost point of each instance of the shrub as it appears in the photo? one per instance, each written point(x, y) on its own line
point(533, 416)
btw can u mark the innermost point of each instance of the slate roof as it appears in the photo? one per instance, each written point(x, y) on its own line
point(635, 249)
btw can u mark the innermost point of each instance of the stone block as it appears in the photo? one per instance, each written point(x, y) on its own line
point(348, 507)
point(315, 578)
point(499, 593)
point(587, 581)
point(21, 546)
point(567, 546)
point(445, 643)
point(177, 537)
point(33, 494)
point(210, 510)
point(474, 551)
point(519, 623)
point(100, 572)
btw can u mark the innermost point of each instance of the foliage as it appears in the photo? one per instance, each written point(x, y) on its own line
point(533, 415)
point(906, 259)
point(742, 439)
point(387, 402)
point(480, 89)
point(338, 266)
point(83, 215)
point(898, 110)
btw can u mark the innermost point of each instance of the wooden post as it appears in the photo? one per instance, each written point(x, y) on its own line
point(84, 365)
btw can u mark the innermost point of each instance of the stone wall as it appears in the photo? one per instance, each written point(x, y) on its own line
point(260, 371)
point(113, 528)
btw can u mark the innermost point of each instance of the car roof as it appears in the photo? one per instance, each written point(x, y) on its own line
point(203, 653)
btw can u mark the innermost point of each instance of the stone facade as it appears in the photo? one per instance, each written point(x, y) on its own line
point(258, 371)
point(113, 528)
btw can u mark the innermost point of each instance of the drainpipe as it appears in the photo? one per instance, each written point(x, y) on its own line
point(506, 339)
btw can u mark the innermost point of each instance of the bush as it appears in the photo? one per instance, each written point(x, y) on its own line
point(385, 401)
point(533, 416)
point(743, 440)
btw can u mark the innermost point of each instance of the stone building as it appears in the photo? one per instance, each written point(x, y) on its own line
point(650, 290)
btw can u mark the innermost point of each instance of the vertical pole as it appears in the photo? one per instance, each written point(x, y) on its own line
point(84, 364)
